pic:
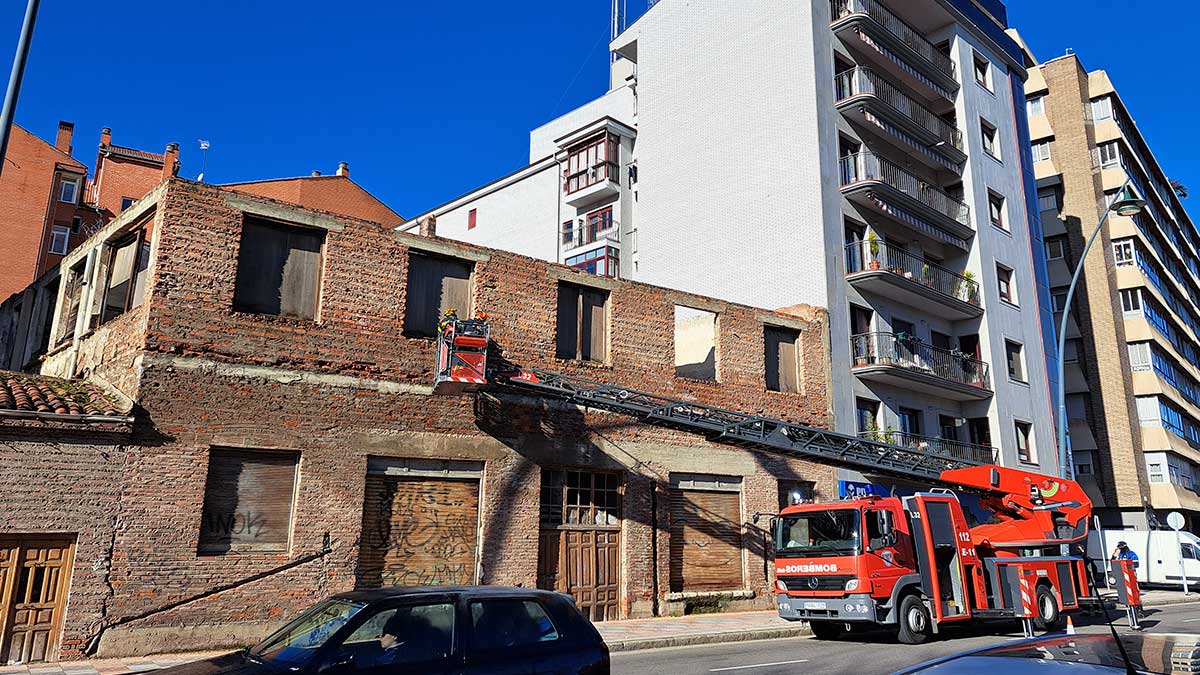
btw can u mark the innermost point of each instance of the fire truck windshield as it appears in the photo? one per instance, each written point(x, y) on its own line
point(818, 534)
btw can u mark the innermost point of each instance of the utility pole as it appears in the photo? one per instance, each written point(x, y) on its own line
point(14, 79)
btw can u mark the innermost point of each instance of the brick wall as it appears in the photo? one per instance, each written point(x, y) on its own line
point(58, 479)
point(1097, 304)
point(118, 177)
point(26, 198)
point(350, 386)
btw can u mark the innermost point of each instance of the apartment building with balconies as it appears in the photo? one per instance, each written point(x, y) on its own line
point(1132, 355)
point(867, 156)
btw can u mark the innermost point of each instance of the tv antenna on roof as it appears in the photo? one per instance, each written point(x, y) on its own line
point(204, 145)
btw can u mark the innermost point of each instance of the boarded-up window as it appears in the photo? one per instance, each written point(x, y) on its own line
point(782, 358)
point(279, 270)
point(125, 281)
point(435, 284)
point(582, 323)
point(248, 501)
point(418, 532)
point(695, 343)
point(706, 540)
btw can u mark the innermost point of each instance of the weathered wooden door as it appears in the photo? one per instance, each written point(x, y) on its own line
point(34, 577)
point(580, 543)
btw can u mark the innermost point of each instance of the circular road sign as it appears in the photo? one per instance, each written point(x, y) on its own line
point(1175, 520)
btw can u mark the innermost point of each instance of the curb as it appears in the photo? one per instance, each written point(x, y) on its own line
point(1167, 602)
point(708, 638)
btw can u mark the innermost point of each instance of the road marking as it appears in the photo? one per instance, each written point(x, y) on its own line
point(757, 665)
point(1190, 620)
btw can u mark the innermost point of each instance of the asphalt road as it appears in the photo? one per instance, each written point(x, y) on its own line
point(860, 654)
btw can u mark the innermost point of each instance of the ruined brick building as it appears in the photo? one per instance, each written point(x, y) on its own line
point(235, 418)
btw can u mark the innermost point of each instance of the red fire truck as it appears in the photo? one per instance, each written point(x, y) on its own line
point(914, 563)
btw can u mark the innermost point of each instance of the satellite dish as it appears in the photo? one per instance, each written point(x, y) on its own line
point(1175, 520)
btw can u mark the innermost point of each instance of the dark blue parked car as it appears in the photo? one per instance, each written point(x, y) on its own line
point(443, 630)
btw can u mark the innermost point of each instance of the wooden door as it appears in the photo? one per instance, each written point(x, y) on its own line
point(591, 569)
point(580, 541)
point(34, 577)
point(706, 541)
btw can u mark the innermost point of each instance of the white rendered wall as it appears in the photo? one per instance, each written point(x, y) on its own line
point(729, 180)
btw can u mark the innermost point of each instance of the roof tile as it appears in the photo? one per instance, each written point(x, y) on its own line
point(22, 392)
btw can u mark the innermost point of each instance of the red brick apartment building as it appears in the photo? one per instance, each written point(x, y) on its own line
point(235, 418)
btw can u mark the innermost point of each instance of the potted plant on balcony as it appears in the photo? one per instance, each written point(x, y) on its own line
point(926, 277)
point(873, 245)
point(965, 285)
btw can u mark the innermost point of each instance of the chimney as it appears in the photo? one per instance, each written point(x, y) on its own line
point(105, 137)
point(427, 226)
point(316, 174)
point(171, 161)
point(63, 140)
point(343, 169)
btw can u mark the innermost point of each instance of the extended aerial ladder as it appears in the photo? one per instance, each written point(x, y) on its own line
point(922, 548)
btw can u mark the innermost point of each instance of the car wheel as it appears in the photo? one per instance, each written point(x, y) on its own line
point(825, 630)
point(915, 624)
point(1048, 612)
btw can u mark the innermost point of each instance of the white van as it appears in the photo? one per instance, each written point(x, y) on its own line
point(1158, 554)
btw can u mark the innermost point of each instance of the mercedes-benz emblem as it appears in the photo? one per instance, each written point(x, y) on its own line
point(813, 582)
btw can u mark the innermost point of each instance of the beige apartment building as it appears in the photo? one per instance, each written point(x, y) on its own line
point(1132, 354)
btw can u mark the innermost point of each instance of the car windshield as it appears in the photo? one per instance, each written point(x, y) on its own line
point(818, 534)
point(296, 643)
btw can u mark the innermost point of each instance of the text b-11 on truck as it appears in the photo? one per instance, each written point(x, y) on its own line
point(909, 563)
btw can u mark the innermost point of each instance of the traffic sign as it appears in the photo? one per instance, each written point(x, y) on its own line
point(1175, 520)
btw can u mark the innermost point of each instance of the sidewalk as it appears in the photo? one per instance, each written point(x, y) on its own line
point(621, 636)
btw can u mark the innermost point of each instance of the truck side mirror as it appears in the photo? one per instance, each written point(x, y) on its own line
point(887, 528)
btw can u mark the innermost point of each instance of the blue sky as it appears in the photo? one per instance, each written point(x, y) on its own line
point(429, 99)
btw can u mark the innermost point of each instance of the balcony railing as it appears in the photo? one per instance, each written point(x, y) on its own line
point(862, 256)
point(897, 27)
point(861, 81)
point(575, 234)
point(867, 166)
point(983, 454)
point(887, 349)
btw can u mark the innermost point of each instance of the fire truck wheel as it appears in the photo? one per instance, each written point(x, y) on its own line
point(1048, 613)
point(915, 625)
point(825, 630)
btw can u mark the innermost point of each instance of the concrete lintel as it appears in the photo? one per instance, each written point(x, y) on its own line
point(581, 278)
point(287, 214)
point(283, 375)
point(785, 321)
point(699, 302)
point(440, 247)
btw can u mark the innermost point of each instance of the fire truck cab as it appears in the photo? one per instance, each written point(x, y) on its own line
point(911, 563)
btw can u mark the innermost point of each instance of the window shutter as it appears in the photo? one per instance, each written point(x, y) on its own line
point(456, 287)
point(279, 270)
point(261, 258)
point(782, 359)
point(420, 310)
point(706, 541)
point(594, 329)
point(301, 274)
point(567, 341)
point(247, 501)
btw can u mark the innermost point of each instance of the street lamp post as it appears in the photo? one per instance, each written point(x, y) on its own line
point(1127, 203)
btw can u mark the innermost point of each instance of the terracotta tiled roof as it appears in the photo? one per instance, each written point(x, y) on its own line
point(134, 154)
point(34, 394)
